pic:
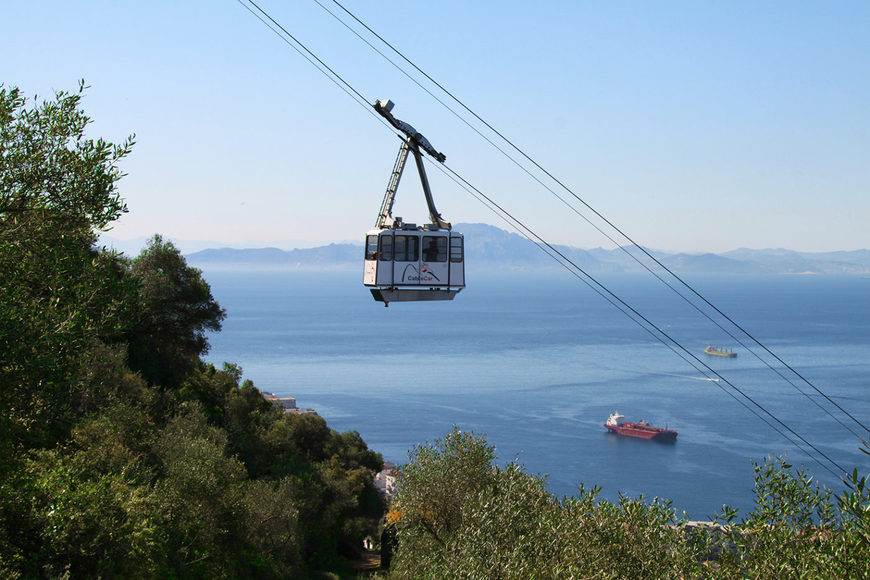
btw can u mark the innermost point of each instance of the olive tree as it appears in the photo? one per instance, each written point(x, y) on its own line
point(59, 294)
point(47, 164)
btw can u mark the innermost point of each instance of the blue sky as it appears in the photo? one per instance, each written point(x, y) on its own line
point(693, 126)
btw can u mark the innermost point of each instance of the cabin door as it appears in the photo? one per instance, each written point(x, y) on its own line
point(434, 267)
point(406, 259)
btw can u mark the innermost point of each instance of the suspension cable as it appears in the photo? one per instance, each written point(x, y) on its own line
point(631, 241)
point(664, 336)
point(554, 253)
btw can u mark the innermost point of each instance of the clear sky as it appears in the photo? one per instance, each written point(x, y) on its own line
point(693, 125)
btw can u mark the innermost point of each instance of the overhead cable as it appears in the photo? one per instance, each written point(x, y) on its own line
point(609, 223)
point(625, 308)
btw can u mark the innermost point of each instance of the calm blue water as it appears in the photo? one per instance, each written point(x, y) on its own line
point(536, 363)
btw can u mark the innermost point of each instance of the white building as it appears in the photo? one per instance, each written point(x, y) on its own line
point(287, 403)
point(385, 480)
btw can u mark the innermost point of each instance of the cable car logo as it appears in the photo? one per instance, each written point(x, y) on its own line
point(426, 270)
point(418, 275)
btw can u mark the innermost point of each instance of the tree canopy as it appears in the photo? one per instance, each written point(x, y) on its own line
point(173, 311)
point(48, 165)
point(458, 514)
point(122, 453)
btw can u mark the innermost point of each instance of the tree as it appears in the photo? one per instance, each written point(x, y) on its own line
point(47, 164)
point(433, 493)
point(60, 301)
point(121, 452)
point(87, 504)
point(199, 495)
point(458, 515)
point(174, 309)
point(59, 295)
point(797, 530)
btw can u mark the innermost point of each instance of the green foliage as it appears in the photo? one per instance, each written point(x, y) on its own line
point(440, 478)
point(198, 495)
point(855, 504)
point(88, 524)
point(327, 475)
point(797, 530)
point(48, 166)
point(504, 531)
point(272, 526)
point(60, 297)
point(458, 515)
point(631, 538)
point(122, 454)
point(83, 509)
point(174, 310)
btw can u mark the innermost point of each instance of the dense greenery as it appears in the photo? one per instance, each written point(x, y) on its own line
point(121, 452)
point(459, 515)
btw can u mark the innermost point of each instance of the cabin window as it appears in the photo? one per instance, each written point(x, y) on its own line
point(386, 248)
point(407, 248)
point(372, 247)
point(434, 249)
point(455, 249)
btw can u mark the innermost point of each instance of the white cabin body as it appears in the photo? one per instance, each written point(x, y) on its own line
point(413, 264)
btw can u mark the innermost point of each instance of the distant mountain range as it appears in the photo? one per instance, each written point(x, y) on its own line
point(491, 248)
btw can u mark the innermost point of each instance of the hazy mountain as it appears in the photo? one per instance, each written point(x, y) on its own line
point(789, 261)
point(491, 248)
point(632, 259)
point(331, 257)
point(132, 246)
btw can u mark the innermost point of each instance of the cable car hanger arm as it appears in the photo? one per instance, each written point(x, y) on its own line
point(413, 142)
point(384, 107)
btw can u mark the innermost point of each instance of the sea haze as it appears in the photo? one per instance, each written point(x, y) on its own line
point(537, 361)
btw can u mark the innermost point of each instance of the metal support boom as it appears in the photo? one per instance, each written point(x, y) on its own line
point(413, 142)
point(385, 215)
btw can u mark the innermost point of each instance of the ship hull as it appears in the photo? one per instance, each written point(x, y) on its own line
point(643, 431)
point(713, 351)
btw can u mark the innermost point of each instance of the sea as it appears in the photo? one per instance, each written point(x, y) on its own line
point(536, 362)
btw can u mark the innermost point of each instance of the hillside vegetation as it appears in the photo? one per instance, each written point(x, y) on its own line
point(121, 453)
point(458, 514)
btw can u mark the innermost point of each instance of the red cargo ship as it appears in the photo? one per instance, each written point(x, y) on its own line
point(616, 423)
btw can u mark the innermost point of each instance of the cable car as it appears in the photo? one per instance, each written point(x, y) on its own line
point(405, 262)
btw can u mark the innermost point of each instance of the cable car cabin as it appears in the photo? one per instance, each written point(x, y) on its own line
point(414, 264)
point(403, 262)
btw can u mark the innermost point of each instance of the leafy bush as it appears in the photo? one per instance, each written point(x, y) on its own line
point(458, 515)
point(798, 529)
